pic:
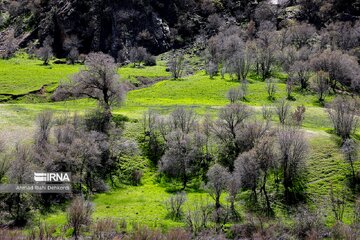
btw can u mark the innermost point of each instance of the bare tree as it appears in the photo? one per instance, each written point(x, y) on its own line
point(177, 65)
point(301, 34)
point(240, 61)
point(341, 35)
point(212, 69)
point(45, 53)
point(265, 11)
point(338, 203)
point(233, 188)
point(44, 122)
point(137, 55)
point(357, 212)
point(282, 109)
point(248, 171)
point(298, 115)
point(183, 156)
point(250, 133)
point(153, 146)
point(79, 215)
point(175, 204)
point(19, 205)
point(218, 179)
point(265, 52)
point(343, 115)
point(4, 162)
point(182, 119)
point(267, 113)
point(198, 215)
point(271, 88)
point(227, 131)
point(8, 49)
point(350, 151)
point(342, 68)
point(106, 228)
point(85, 154)
point(234, 94)
point(266, 160)
point(300, 73)
point(244, 86)
point(287, 57)
point(293, 151)
point(71, 45)
point(321, 85)
point(290, 84)
point(100, 81)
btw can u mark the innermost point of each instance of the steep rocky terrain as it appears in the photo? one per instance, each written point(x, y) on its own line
point(158, 25)
point(110, 26)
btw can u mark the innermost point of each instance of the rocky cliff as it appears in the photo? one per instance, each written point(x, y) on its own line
point(111, 25)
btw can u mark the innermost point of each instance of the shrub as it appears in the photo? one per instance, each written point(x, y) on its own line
point(143, 232)
point(282, 109)
point(178, 234)
point(343, 115)
point(235, 94)
point(198, 217)
point(104, 229)
point(120, 120)
point(79, 215)
point(239, 231)
point(11, 234)
point(271, 88)
point(307, 223)
point(43, 231)
point(298, 115)
point(150, 60)
point(175, 204)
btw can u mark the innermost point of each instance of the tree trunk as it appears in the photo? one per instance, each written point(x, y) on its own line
point(353, 171)
point(268, 205)
point(184, 182)
point(217, 201)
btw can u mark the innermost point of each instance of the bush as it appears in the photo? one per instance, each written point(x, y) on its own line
point(343, 115)
point(239, 231)
point(43, 231)
point(79, 215)
point(136, 176)
point(342, 231)
point(235, 94)
point(197, 219)
point(174, 205)
point(131, 170)
point(95, 121)
point(120, 120)
point(149, 60)
point(104, 229)
point(308, 224)
point(178, 234)
point(12, 234)
point(144, 232)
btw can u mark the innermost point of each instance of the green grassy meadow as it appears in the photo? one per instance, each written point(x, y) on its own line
point(145, 204)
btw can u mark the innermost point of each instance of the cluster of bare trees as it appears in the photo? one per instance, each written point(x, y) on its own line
point(9, 45)
point(178, 142)
point(231, 153)
point(344, 115)
point(64, 144)
point(314, 60)
point(136, 55)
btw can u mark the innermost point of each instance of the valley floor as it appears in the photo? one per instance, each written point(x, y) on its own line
point(145, 204)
